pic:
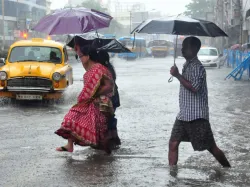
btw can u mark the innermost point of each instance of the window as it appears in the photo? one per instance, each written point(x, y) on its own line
point(208, 52)
point(36, 53)
point(161, 43)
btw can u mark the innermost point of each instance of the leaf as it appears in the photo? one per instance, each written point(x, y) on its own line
point(199, 8)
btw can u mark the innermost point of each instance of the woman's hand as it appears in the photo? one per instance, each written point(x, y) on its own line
point(105, 88)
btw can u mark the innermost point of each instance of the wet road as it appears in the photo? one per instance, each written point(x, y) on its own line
point(149, 107)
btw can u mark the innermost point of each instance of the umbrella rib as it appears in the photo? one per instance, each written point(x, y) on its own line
point(205, 29)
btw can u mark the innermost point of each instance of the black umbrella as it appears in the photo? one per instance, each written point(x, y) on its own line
point(179, 25)
point(113, 46)
point(109, 45)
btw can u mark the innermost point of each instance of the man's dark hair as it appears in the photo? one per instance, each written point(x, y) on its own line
point(194, 42)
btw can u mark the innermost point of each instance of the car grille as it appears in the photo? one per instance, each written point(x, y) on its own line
point(29, 82)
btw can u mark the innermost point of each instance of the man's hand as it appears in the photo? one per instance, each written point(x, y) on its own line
point(187, 84)
point(174, 71)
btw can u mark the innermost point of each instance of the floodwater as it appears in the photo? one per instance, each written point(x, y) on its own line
point(149, 105)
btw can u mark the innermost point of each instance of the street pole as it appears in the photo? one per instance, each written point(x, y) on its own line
point(130, 19)
point(241, 22)
point(222, 19)
point(3, 44)
point(231, 10)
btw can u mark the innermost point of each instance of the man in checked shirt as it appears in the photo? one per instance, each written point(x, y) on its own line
point(192, 122)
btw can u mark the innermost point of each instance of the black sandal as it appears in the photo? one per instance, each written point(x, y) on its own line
point(63, 149)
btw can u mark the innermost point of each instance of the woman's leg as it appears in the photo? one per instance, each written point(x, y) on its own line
point(69, 147)
point(115, 136)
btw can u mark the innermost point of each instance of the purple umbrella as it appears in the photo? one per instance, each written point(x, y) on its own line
point(73, 21)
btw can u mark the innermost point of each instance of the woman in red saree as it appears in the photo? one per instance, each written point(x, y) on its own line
point(86, 122)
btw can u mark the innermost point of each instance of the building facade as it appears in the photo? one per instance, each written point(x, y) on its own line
point(246, 21)
point(19, 16)
point(128, 14)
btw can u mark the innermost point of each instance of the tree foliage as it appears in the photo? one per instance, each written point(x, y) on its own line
point(94, 4)
point(199, 8)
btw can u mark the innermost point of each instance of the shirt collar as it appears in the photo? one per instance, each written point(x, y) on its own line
point(189, 61)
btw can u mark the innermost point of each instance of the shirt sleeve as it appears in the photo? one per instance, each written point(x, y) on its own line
point(198, 74)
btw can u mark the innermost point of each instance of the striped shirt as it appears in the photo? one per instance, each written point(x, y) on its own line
point(194, 105)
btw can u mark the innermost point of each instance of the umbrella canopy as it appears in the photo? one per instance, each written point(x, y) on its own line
point(109, 45)
point(114, 46)
point(236, 46)
point(179, 26)
point(73, 20)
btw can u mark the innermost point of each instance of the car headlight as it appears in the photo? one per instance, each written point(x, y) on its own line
point(3, 75)
point(56, 76)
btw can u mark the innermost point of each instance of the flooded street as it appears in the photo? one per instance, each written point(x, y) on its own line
point(149, 105)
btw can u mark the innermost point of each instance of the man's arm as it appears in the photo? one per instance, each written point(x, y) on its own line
point(187, 84)
point(197, 75)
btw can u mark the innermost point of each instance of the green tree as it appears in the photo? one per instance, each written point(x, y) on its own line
point(199, 8)
point(94, 4)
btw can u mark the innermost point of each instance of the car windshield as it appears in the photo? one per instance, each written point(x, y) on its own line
point(160, 43)
point(131, 43)
point(208, 52)
point(127, 43)
point(36, 53)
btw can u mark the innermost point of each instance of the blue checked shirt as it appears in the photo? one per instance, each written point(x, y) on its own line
point(194, 105)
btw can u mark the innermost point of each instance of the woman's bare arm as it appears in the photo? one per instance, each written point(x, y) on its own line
point(105, 88)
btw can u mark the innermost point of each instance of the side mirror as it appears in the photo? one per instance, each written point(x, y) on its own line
point(76, 56)
point(2, 61)
point(221, 55)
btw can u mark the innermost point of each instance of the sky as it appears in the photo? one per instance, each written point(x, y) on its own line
point(171, 7)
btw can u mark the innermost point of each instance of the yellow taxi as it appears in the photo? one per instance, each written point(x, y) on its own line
point(159, 48)
point(35, 69)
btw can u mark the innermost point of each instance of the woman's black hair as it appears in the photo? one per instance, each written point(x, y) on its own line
point(103, 58)
point(87, 50)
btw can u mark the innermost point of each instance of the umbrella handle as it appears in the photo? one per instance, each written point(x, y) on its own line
point(97, 33)
point(170, 79)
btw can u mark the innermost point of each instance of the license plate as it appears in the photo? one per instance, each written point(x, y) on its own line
point(28, 97)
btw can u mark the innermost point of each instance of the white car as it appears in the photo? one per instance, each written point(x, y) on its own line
point(209, 56)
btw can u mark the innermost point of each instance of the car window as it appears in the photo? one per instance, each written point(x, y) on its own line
point(208, 52)
point(150, 44)
point(36, 53)
point(161, 43)
point(127, 43)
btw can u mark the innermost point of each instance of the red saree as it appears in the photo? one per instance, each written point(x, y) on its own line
point(86, 122)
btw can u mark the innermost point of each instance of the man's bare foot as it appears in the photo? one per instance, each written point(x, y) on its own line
point(173, 170)
point(64, 149)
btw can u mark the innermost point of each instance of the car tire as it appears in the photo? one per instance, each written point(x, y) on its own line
point(49, 101)
point(13, 101)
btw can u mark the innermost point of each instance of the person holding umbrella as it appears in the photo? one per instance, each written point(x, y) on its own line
point(104, 59)
point(192, 122)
